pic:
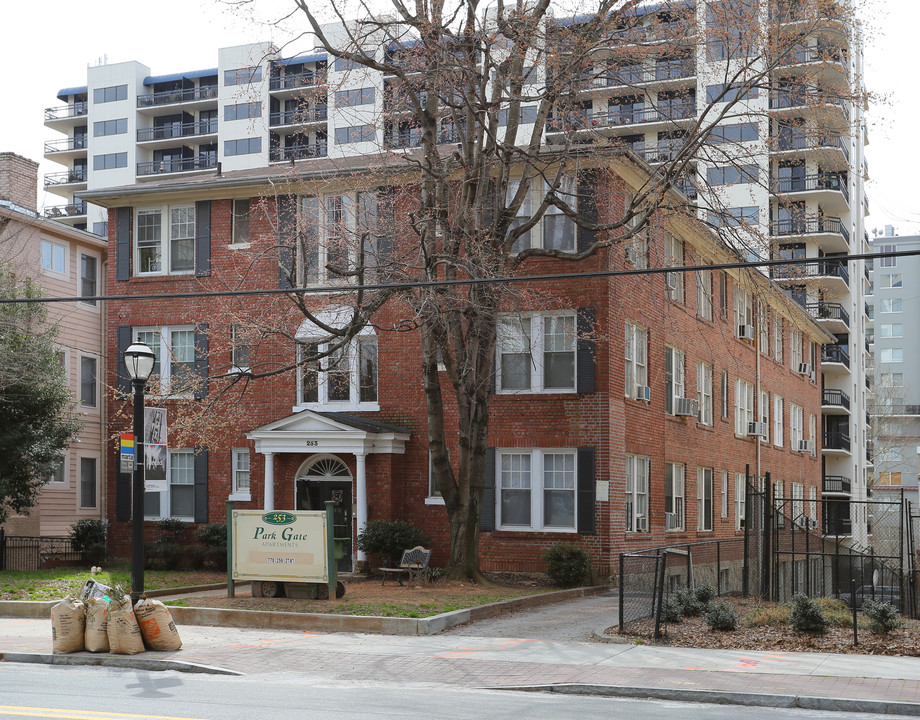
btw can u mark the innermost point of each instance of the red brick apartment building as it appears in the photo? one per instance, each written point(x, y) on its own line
point(639, 400)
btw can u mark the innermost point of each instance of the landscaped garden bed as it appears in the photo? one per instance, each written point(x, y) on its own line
point(766, 626)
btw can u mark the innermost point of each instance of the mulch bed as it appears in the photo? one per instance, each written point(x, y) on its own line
point(693, 632)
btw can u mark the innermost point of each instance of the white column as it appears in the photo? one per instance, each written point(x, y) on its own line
point(361, 498)
point(269, 501)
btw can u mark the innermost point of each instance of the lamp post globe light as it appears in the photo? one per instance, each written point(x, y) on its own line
point(139, 361)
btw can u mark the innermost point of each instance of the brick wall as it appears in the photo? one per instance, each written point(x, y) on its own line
point(18, 180)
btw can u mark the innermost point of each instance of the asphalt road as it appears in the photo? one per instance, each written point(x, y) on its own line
point(30, 691)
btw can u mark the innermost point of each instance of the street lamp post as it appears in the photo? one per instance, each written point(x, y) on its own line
point(139, 361)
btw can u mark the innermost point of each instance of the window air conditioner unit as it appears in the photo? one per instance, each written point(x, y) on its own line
point(687, 406)
point(804, 446)
point(643, 392)
point(755, 429)
point(746, 332)
point(805, 369)
point(641, 524)
point(672, 521)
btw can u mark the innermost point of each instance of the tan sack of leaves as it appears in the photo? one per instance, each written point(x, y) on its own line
point(157, 625)
point(68, 620)
point(97, 615)
point(123, 631)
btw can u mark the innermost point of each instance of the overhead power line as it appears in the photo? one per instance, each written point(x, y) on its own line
point(340, 289)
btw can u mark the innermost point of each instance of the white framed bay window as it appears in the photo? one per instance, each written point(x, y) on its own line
point(536, 489)
point(164, 240)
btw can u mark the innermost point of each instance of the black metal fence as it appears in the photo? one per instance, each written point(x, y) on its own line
point(791, 545)
point(32, 553)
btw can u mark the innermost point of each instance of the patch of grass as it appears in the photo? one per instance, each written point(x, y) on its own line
point(59, 582)
point(836, 612)
point(176, 603)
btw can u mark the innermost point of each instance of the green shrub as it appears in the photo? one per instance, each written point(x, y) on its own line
point(672, 611)
point(722, 616)
point(391, 537)
point(883, 616)
point(807, 616)
point(212, 535)
point(88, 536)
point(170, 531)
point(704, 594)
point(692, 601)
point(567, 565)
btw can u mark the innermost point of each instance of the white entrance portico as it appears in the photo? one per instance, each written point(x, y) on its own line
point(311, 431)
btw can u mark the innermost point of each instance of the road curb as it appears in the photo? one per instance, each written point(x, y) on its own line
point(265, 620)
point(135, 662)
point(720, 697)
point(599, 635)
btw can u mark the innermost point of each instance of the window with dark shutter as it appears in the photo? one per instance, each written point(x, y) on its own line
point(584, 351)
point(586, 489)
point(487, 511)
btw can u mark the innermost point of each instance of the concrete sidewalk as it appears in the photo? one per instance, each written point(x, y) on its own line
point(818, 680)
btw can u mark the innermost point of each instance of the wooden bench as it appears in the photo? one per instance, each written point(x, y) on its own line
point(414, 564)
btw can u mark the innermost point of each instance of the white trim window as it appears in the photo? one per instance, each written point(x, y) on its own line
point(812, 432)
point(765, 415)
point(89, 275)
point(795, 350)
point(241, 474)
point(763, 327)
point(744, 406)
point(550, 505)
point(723, 399)
point(704, 499)
point(559, 231)
point(704, 294)
point(54, 257)
point(177, 344)
point(798, 503)
point(674, 496)
point(744, 310)
point(779, 503)
point(89, 482)
point(777, 421)
point(344, 379)
point(813, 504)
point(239, 233)
point(673, 378)
point(164, 240)
point(240, 347)
point(674, 257)
point(778, 338)
point(524, 242)
point(58, 474)
point(796, 423)
point(704, 392)
point(434, 492)
point(173, 497)
point(724, 508)
point(637, 470)
point(636, 349)
point(740, 491)
point(536, 353)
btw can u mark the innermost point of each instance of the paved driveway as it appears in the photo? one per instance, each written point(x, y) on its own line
point(569, 621)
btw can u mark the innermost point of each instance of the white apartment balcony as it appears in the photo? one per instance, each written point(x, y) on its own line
point(831, 152)
point(65, 150)
point(829, 232)
point(666, 115)
point(828, 274)
point(665, 73)
point(823, 104)
point(831, 61)
point(169, 166)
point(67, 182)
point(834, 402)
point(200, 98)
point(166, 135)
point(832, 316)
point(294, 85)
point(835, 485)
point(835, 359)
point(827, 188)
point(836, 442)
point(73, 212)
point(64, 116)
point(303, 151)
point(298, 120)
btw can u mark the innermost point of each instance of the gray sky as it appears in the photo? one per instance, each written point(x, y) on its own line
point(56, 40)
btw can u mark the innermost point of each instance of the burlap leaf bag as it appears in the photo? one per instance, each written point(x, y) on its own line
point(122, 629)
point(68, 621)
point(97, 616)
point(157, 625)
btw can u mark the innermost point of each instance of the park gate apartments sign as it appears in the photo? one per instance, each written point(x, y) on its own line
point(280, 546)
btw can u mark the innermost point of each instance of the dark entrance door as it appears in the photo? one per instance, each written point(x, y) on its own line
point(313, 494)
